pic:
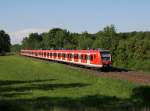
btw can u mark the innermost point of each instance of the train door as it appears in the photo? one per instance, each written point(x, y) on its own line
point(84, 58)
point(76, 57)
point(93, 59)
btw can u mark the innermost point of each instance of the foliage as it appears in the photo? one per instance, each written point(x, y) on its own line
point(33, 42)
point(15, 48)
point(4, 42)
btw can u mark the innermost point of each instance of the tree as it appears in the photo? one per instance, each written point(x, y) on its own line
point(85, 41)
point(4, 42)
point(32, 42)
point(15, 48)
point(106, 38)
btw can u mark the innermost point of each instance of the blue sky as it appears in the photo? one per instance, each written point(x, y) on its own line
point(74, 15)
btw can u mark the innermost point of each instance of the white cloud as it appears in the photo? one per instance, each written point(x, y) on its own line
point(17, 37)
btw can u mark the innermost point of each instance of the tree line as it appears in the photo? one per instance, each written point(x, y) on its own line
point(4, 42)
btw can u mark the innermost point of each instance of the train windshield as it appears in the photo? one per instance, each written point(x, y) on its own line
point(106, 56)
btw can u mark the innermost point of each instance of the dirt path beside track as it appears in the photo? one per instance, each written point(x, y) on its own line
point(131, 76)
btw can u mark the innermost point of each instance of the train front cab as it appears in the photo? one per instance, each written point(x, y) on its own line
point(106, 59)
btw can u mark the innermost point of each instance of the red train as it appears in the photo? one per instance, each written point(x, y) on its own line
point(90, 58)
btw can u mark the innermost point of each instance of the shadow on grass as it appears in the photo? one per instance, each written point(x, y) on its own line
point(13, 82)
point(16, 88)
point(139, 99)
point(141, 95)
point(86, 103)
point(4, 91)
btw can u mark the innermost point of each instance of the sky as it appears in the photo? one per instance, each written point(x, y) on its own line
point(20, 17)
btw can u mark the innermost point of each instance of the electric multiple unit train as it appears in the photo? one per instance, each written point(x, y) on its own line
point(89, 58)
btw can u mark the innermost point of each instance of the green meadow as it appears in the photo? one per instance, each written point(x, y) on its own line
point(28, 84)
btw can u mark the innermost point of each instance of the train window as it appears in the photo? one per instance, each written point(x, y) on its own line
point(94, 56)
point(82, 56)
point(63, 55)
point(48, 54)
point(58, 54)
point(91, 57)
point(54, 54)
point(45, 54)
point(106, 56)
point(69, 56)
point(85, 57)
point(76, 56)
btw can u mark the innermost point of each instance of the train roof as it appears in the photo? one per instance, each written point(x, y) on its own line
point(74, 51)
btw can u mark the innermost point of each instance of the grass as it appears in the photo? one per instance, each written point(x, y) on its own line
point(28, 84)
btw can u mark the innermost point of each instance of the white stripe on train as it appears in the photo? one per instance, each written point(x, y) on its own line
point(85, 64)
